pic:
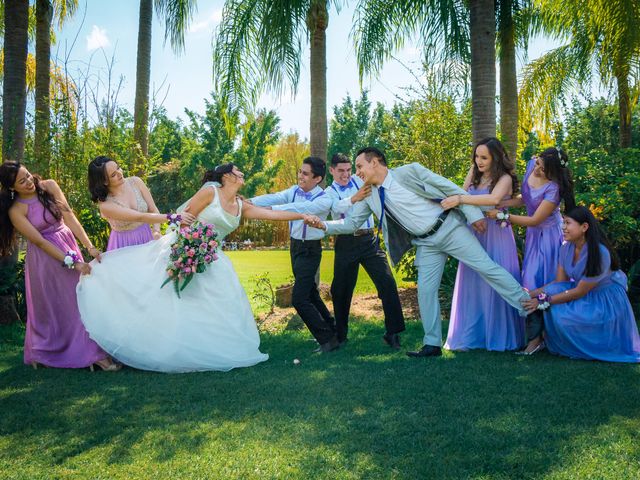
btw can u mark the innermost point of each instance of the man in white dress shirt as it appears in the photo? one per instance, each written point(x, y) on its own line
point(359, 248)
point(406, 200)
point(306, 248)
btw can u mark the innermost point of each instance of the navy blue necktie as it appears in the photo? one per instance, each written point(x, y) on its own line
point(381, 193)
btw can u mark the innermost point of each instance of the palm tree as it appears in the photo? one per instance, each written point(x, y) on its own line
point(445, 25)
point(14, 103)
point(259, 46)
point(603, 37)
point(464, 31)
point(45, 12)
point(176, 14)
point(14, 88)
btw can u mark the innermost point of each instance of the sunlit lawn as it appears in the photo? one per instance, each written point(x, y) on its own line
point(360, 412)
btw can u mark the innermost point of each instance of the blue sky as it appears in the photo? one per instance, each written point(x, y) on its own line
point(103, 30)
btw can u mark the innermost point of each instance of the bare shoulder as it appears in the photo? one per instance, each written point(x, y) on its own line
point(49, 185)
point(18, 208)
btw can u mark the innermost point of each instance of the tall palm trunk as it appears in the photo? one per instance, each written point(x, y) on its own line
point(143, 74)
point(14, 91)
point(41, 148)
point(624, 107)
point(508, 79)
point(14, 97)
point(317, 22)
point(483, 68)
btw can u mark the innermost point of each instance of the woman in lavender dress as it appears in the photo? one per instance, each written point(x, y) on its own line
point(586, 309)
point(546, 183)
point(39, 211)
point(125, 203)
point(480, 318)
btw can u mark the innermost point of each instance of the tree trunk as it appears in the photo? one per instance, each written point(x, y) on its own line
point(14, 91)
point(41, 146)
point(483, 68)
point(317, 22)
point(143, 74)
point(624, 107)
point(508, 80)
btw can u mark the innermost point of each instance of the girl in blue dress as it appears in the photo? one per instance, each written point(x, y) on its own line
point(587, 313)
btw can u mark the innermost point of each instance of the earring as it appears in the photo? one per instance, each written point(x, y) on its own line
point(13, 194)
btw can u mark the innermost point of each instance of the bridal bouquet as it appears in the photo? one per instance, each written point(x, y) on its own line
point(192, 252)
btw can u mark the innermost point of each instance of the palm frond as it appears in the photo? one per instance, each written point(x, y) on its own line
point(177, 15)
point(547, 80)
point(258, 47)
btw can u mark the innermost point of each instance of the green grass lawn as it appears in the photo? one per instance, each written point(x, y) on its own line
point(360, 412)
point(277, 263)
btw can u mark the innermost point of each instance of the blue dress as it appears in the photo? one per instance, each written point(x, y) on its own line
point(480, 318)
point(598, 326)
point(542, 242)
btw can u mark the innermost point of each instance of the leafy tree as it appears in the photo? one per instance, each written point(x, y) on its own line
point(602, 34)
point(259, 46)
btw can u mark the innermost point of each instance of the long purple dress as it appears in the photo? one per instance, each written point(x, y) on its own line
point(542, 243)
point(480, 318)
point(55, 334)
point(598, 326)
point(127, 234)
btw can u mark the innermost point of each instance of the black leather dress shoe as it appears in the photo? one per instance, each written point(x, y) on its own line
point(427, 351)
point(392, 339)
point(329, 346)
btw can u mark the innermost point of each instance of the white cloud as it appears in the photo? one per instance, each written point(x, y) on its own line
point(97, 39)
point(213, 19)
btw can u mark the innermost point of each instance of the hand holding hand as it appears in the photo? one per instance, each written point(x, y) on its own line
point(314, 221)
point(83, 268)
point(492, 213)
point(95, 253)
point(187, 218)
point(361, 194)
point(450, 202)
point(480, 226)
point(530, 305)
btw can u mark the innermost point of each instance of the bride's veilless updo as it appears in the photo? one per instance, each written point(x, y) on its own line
point(216, 174)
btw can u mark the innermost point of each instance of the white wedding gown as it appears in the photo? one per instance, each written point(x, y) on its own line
point(210, 327)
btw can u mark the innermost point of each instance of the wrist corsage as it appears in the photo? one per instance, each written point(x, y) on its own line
point(544, 301)
point(502, 218)
point(174, 219)
point(70, 259)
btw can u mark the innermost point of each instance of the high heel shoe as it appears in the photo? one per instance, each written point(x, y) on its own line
point(111, 367)
point(538, 348)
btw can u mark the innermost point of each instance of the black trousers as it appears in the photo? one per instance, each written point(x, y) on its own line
point(350, 253)
point(305, 261)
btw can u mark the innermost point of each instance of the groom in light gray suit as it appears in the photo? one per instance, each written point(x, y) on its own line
point(406, 200)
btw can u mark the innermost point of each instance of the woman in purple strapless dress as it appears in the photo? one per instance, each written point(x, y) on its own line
point(39, 211)
point(125, 203)
point(546, 183)
point(480, 318)
point(588, 313)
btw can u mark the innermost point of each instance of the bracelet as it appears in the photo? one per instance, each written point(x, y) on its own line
point(502, 218)
point(70, 259)
point(544, 300)
point(174, 219)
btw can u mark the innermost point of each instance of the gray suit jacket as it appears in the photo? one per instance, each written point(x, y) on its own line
point(417, 179)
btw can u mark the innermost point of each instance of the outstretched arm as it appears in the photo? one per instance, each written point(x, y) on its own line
point(258, 213)
point(69, 217)
point(543, 211)
point(502, 189)
point(27, 230)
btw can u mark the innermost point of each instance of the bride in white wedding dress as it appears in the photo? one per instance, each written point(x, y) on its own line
point(210, 327)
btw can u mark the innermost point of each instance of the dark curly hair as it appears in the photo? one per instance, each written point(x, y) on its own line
point(216, 174)
point(501, 164)
point(8, 174)
point(556, 169)
point(97, 178)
